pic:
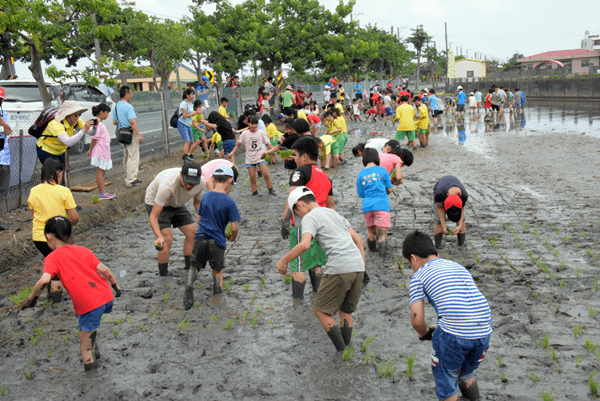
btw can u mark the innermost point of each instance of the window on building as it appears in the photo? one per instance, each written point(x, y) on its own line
point(585, 63)
point(470, 74)
point(596, 42)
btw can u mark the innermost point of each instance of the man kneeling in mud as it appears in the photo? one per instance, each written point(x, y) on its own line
point(342, 275)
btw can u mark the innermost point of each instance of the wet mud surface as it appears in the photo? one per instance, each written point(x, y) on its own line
point(532, 248)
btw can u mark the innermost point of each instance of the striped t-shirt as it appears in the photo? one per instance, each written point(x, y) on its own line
point(462, 309)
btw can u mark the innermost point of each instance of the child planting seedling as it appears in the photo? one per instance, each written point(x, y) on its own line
point(85, 279)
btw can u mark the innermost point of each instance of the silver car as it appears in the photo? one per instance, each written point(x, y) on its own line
point(24, 103)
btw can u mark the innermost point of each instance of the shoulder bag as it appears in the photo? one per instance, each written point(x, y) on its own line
point(125, 134)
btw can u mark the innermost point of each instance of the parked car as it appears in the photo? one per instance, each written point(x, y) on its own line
point(24, 103)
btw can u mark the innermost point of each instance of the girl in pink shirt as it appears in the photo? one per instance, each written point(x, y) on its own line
point(100, 149)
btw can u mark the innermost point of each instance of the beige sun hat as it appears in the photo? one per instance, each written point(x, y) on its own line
point(69, 107)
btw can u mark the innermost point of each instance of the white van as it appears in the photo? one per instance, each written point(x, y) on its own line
point(24, 103)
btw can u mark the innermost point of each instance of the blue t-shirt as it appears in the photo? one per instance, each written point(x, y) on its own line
point(462, 97)
point(462, 309)
point(433, 102)
point(372, 184)
point(478, 96)
point(189, 108)
point(123, 113)
point(216, 211)
point(358, 89)
point(5, 153)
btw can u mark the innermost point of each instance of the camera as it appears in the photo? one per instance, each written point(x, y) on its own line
point(95, 120)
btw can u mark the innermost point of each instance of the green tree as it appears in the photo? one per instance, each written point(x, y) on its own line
point(418, 39)
point(512, 64)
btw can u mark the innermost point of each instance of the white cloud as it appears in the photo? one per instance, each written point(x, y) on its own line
point(430, 8)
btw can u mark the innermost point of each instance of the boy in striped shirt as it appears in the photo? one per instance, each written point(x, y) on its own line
point(461, 337)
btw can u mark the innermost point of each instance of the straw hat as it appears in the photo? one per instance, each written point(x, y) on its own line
point(69, 107)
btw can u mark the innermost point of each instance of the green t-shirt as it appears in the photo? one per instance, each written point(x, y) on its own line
point(287, 97)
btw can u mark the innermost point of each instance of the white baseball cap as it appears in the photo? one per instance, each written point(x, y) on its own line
point(297, 194)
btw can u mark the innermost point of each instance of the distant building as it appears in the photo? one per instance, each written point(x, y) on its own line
point(470, 68)
point(575, 61)
point(144, 84)
point(590, 42)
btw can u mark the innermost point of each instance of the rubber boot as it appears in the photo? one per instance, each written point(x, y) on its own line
point(315, 280)
point(438, 240)
point(90, 366)
point(94, 345)
point(271, 191)
point(335, 335)
point(188, 261)
point(216, 286)
point(192, 274)
point(346, 334)
point(298, 289)
point(470, 393)
point(382, 247)
point(461, 239)
point(163, 269)
point(372, 245)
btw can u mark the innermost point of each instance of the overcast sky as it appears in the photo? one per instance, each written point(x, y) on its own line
point(493, 28)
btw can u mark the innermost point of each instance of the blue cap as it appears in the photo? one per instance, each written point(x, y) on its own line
point(205, 79)
point(223, 169)
point(281, 115)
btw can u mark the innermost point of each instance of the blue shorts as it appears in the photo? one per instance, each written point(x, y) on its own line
point(255, 164)
point(91, 321)
point(388, 111)
point(454, 358)
point(186, 132)
point(228, 145)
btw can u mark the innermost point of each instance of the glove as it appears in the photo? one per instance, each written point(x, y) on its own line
point(285, 229)
point(429, 335)
point(117, 290)
point(29, 303)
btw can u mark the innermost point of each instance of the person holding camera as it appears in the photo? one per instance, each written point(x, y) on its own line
point(5, 131)
point(100, 149)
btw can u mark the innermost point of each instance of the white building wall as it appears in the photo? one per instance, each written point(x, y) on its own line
point(466, 65)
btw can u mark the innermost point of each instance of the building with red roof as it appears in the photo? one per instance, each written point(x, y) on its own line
point(575, 61)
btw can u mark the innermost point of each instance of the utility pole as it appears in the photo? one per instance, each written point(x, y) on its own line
point(447, 51)
point(97, 46)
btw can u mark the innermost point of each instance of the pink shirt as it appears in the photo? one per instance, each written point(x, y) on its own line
point(253, 142)
point(102, 148)
point(209, 168)
point(388, 161)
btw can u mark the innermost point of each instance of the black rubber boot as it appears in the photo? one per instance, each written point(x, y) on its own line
point(94, 345)
point(382, 247)
point(216, 286)
point(188, 261)
point(315, 280)
point(271, 191)
point(163, 269)
point(188, 297)
point(372, 245)
point(461, 239)
point(298, 289)
point(438, 240)
point(346, 334)
point(90, 366)
point(335, 335)
point(470, 393)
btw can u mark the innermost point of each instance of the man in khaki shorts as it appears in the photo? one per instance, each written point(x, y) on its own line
point(343, 274)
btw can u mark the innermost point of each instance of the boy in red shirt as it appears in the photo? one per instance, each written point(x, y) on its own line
point(85, 279)
point(372, 114)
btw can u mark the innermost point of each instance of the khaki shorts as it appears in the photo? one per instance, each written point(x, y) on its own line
point(339, 292)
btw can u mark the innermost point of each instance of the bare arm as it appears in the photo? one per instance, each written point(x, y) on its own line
point(330, 202)
point(73, 216)
point(40, 286)
point(136, 130)
point(105, 271)
point(294, 252)
point(234, 231)
point(6, 127)
point(417, 318)
point(442, 216)
point(156, 209)
point(358, 241)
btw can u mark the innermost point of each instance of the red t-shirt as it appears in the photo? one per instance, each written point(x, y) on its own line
point(404, 93)
point(76, 266)
point(313, 118)
point(372, 111)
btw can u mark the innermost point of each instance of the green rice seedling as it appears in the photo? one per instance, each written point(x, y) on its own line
point(552, 354)
point(228, 325)
point(583, 234)
point(549, 247)
point(591, 311)
point(271, 305)
point(3, 389)
point(48, 303)
point(577, 247)
point(385, 368)
point(558, 230)
point(507, 227)
point(214, 317)
point(503, 378)
point(556, 253)
point(553, 276)
point(368, 358)
point(402, 285)
point(595, 287)
point(367, 342)
point(500, 361)
point(143, 328)
point(598, 355)
point(501, 224)
point(49, 353)
point(262, 280)
point(593, 384)
point(579, 359)
point(254, 322)
point(410, 365)
point(227, 284)
point(40, 331)
point(590, 345)
point(561, 283)
point(196, 304)
point(494, 242)
point(272, 325)
point(182, 324)
point(525, 224)
point(547, 396)
point(131, 321)
point(28, 375)
point(588, 252)
point(532, 377)
point(288, 278)
point(595, 256)
point(563, 265)
point(117, 321)
point(116, 332)
point(34, 340)
point(348, 353)
point(66, 338)
point(244, 316)
point(199, 286)
point(566, 239)
point(545, 341)
point(21, 296)
point(259, 309)
point(520, 245)
point(535, 294)
point(246, 287)
point(535, 232)
point(32, 363)
point(166, 297)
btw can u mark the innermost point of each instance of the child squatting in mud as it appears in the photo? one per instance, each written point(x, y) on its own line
point(81, 274)
point(343, 274)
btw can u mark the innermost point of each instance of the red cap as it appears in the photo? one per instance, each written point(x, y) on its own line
point(453, 200)
point(2, 94)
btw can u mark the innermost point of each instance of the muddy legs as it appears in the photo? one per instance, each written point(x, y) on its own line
point(346, 323)
point(469, 388)
point(188, 295)
point(315, 275)
point(88, 343)
point(438, 240)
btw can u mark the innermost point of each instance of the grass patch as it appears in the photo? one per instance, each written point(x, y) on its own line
point(21, 296)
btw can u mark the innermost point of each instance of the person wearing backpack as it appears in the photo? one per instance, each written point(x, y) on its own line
point(123, 117)
point(60, 134)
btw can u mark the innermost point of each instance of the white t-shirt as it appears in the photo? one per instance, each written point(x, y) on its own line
point(326, 96)
point(356, 109)
point(166, 189)
point(387, 100)
point(377, 144)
